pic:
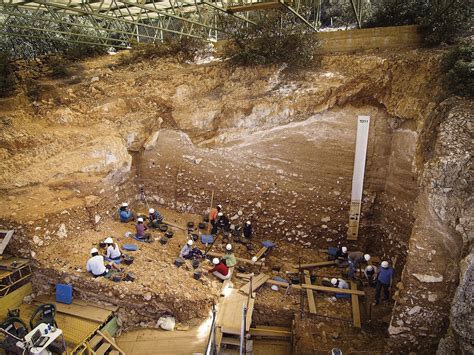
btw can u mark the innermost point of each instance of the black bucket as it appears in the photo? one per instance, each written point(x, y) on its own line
point(129, 276)
point(169, 234)
point(163, 227)
point(195, 264)
point(128, 260)
point(179, 261)
point(202, 225)
point(197, 275)
point(195, 237)
point(163, 240)
point(295, 280)
point(190, 225)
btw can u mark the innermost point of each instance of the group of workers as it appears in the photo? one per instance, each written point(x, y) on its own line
point(380, 279)
point(96, 263)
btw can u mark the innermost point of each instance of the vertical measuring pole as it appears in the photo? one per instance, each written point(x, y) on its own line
point(363, 123)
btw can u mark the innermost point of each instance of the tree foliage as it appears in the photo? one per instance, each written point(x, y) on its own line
point(277, 37)
point(182, 49)
point(459, 67)
point(445, 21)
point(7, 76)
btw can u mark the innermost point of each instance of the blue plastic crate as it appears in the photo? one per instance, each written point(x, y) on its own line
point(207, 238)
point(64, 293)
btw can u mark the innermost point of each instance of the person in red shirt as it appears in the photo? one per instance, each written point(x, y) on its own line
point(220, 269)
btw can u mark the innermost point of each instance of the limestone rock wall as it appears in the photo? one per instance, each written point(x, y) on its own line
point(441, 234)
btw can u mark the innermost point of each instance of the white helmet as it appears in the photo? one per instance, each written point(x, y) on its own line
point(344, 250)
point(334, 281)
point(124, 204)
point(140, 219)
point(190, 242)
point(248, 223)
point(228, 247)
point(151, 210)
point(215, 261)
point(384, 264)
point(219, 206)
point(220, 214)
point(370, 268)
point(254, 259)
point(108, 240)
point(367, 257)
point(94, 250)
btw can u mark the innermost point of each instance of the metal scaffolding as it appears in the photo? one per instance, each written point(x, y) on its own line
point(118, 23)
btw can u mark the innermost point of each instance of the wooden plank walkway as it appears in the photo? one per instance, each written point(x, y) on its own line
point(261, 252)
point(309, 293)
point(355, 307)
point(77, 309)
point(313, 265)
point(229, 313)
point(257, 281)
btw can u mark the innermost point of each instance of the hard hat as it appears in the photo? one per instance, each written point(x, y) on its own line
point(344, 250)
point(140, 219)
point(274, 288)
point(94, 250)
point(190, 242)
point(370, 268)
point(219, 206)
point(254, 259)
point(385, 264)
point(108, 240)
point(220, 214)
point(334, 281)
point(228, 247)
point(151, 210)
point(248, 223)
point(367, 257)
point(124, 204)
point(215, 261)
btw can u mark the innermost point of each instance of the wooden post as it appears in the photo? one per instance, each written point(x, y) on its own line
point(209, 224)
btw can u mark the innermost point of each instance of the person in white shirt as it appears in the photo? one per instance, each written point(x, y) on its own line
point(340, 283)
point(95, 265)
point(113, 250)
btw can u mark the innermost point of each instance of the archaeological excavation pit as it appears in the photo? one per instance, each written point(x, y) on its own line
point(272, 146)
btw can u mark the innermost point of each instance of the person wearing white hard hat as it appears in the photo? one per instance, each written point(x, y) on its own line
point(384, 281)
point(222, 221)
point(248, 230)
point(339, 283)
point(113, 251)
point(355, 258)
point(154, 218)
point(229, 257)
point(140, 228)
point(186, 249)
point(125, 214)
point(220, 270)
point(95, 265)
point(190, 252)
point(370, 273)
point(213, 215)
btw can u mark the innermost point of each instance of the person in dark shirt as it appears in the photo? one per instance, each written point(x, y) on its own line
point(154, 218)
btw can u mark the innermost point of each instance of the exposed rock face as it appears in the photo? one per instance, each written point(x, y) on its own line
point(442, 230)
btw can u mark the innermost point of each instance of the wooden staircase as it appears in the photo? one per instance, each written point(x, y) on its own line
point(103, 344)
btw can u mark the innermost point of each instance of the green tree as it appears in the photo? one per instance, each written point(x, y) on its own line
point(277, 37)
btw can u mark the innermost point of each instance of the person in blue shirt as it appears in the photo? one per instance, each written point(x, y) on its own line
point(125, 214)
point(154, 218)
point(384, 281)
